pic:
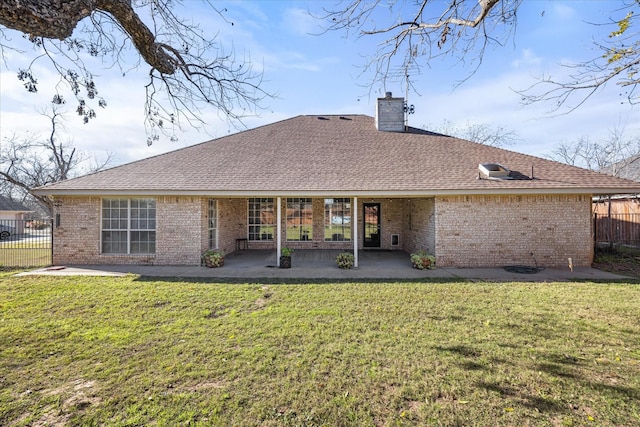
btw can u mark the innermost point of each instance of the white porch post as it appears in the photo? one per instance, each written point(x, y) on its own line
point(354, 231)
point(278, 233)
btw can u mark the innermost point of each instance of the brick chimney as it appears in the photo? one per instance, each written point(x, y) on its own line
point(390, 114)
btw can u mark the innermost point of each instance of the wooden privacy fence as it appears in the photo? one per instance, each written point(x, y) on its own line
point(617, 229)
point(26, 243)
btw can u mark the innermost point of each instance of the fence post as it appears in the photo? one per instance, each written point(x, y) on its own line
point(595, 232)
point(51, 242)
point(609, 228)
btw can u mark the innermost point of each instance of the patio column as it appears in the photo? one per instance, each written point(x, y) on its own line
point(354, 231)
point(278, 231)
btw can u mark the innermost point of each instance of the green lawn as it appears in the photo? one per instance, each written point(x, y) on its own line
point(105, 351)
point(22, 256)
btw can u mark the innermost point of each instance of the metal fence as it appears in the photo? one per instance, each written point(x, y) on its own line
point(26, 243)
point(617, 230)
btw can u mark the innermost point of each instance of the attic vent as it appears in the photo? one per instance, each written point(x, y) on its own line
point(494, 171)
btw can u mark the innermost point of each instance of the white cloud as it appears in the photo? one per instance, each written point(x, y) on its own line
point(492, 102)
point(300, 22)
point(527, 58)
point(562, 11)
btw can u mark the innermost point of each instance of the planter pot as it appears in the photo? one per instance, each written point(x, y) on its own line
point(285, 262)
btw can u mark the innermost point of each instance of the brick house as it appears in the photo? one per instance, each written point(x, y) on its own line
point(351, 182)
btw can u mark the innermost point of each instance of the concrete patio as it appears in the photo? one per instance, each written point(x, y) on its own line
point(320, 264)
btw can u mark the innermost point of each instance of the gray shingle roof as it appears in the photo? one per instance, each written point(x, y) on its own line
point(337, 154)
point(9, 205)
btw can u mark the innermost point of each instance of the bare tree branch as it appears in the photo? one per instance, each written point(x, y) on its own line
point(617, 155)
point(28, 162)
point(482, 133)
point(188, 69)
point(415, 36)
point(618, 62)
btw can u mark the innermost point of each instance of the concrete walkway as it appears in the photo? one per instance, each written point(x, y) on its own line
point(320, 264)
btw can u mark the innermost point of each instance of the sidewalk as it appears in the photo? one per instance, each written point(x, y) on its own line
point(256, 265)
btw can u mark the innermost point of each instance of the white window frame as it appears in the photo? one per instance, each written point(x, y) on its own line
point(267, 204)
point(328, 220)
point(300, 203)
point(129, 229)
point(212, 224)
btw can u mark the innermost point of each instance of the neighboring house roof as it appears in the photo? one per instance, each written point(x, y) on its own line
point(7, 204)
point(337, 155)
point(628, 168)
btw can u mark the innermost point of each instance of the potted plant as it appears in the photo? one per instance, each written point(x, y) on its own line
point(423, 260)
point(345, 260)
point(213, 258)
point(285, 257)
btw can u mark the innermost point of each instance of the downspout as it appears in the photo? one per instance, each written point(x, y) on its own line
point(278, 230)
point(354, 227)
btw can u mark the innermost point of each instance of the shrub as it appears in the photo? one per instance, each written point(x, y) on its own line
point(213, 258)
point(345, 260)
point(423, 260)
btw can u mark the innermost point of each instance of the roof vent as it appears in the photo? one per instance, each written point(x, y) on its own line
point(494, 171)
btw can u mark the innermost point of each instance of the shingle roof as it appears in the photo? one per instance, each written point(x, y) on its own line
point(9, 205)
point(335, 155)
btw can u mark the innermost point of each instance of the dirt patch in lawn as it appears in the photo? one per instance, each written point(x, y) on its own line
point(75, 396)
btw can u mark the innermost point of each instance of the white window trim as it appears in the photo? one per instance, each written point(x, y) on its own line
point(129, 229)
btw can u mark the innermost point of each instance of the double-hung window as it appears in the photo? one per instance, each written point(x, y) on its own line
point(337, 219)
point(262, 219)
point(299, 219)
point(128, 226)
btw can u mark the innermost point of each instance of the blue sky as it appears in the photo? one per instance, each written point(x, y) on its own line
point(322, 74)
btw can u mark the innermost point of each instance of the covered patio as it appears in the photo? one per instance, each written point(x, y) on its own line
point(318, 264)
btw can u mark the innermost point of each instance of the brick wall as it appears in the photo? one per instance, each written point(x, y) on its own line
point(232, 223)
point(418, 229)
point(178, 230)
point(505, 230)
point(77, 239)
point(178, 233)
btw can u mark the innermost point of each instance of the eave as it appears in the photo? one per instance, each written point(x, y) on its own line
point(344, 193)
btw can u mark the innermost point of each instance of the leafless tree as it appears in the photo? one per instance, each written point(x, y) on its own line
point(31, 161)
point(189, 69)
point(412, 34)
point(617, 155)
point(482, 133)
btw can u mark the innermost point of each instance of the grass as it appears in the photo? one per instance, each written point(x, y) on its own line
point(22, 256)
point(127, 351)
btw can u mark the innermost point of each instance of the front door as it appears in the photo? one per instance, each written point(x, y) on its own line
point(371, 225)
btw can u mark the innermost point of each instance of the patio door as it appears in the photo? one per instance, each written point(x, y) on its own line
point(371, 223)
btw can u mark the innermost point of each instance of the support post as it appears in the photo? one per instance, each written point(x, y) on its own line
point(278, 231)
point(354, 231)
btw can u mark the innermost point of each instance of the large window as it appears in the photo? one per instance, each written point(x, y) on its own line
point(213, 224)
point(261, 219)
point(128, 226)
point(337, 220)
point(299, 219)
